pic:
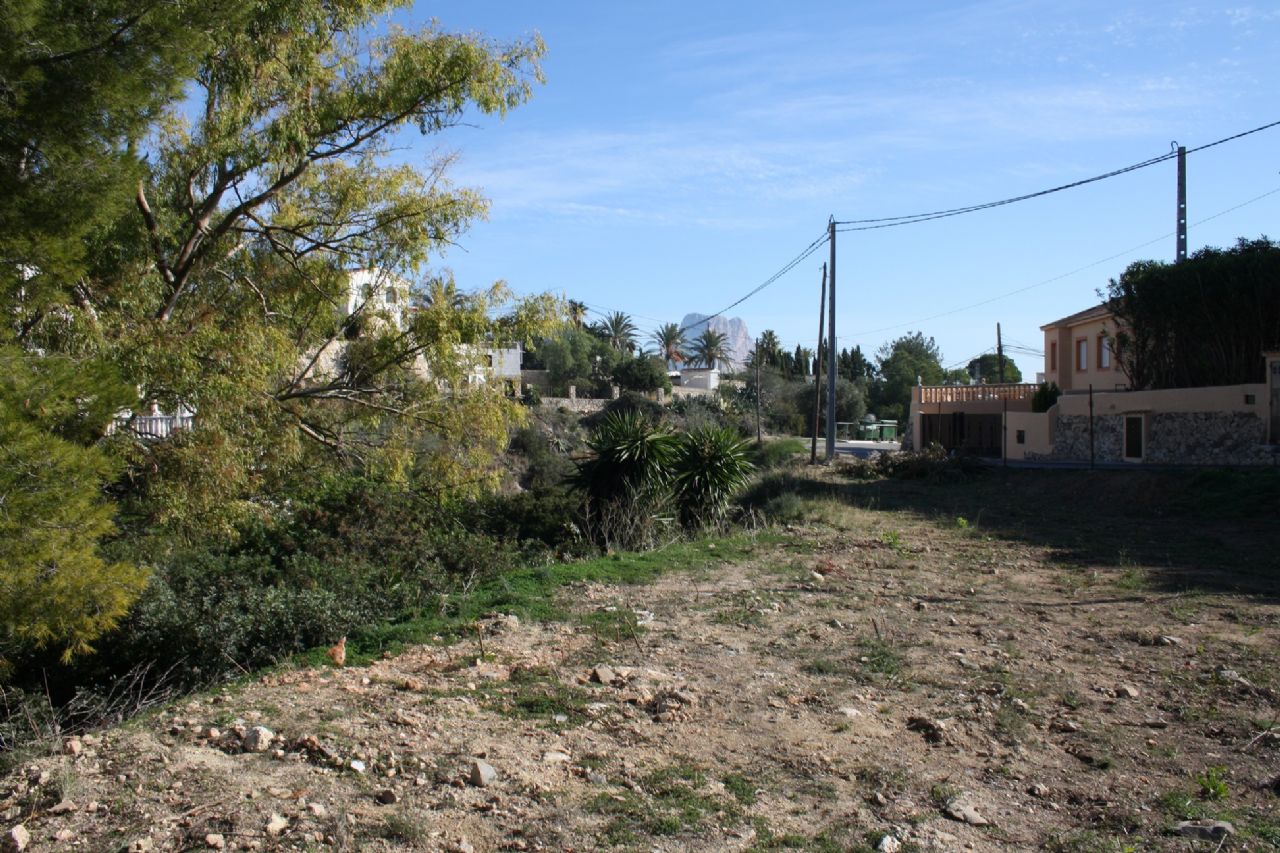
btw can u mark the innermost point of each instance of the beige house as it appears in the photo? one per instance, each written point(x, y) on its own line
point(1078, 351)
point(1097, 418)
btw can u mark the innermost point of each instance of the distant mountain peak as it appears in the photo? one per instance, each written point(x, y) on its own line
point(737, 339)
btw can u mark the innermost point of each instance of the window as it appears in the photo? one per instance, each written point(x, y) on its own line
point(1053, 356)
point(1104, 353)
point(1133, 437)
point(1020, 436)
point(1082, 354)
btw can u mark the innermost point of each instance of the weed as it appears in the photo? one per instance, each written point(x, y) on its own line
point(742, 789)
point(892, 538)
point(825, 666)
point(1133, 579)
point(962, 523)
point(403, 828)
point(1213, 783)
point(669, 802)
point(880, 658)
point(1071, 700)
point(942, 795)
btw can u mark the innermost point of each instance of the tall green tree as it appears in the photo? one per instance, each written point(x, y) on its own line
point(987, 369)
point(56, 587)
point(1205, 321)
point(900, 364)
point(619, 330)
point(711, 350)
point(214, 273)
point(671, 342)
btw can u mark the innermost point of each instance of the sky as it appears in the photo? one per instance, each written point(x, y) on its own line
point(681, 154)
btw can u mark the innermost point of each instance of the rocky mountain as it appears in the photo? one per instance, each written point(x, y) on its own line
point(738, 340)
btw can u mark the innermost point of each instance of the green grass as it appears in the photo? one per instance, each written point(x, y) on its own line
point(670, 801)
point(532, 592)
point(742, 788)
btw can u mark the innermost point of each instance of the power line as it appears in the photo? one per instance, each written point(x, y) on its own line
point(1056, 278)
point(809, 250)
point(895, 221)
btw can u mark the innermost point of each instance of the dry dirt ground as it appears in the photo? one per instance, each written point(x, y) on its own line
point(909, 667)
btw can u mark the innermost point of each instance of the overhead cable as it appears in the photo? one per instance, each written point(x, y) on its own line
point(809, 250)
point(895, 221)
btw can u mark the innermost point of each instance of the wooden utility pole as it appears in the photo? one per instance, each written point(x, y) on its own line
point(999, 353)
point(758, 438)
point(817, 373)
point(1182, 204)
point(831, 343)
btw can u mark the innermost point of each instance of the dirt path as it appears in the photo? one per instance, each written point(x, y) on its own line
point(872, 681)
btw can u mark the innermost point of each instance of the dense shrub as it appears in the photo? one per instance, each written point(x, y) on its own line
point(710, 465)
point(1046, 395)
point(780, 453)
point(631, 456)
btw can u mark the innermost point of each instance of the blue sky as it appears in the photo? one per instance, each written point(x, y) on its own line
point(681, 153)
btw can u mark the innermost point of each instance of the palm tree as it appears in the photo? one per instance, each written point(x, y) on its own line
point(577, 313)
point(769, 347)
point(709, 349)
point(619, 331)
point(671, 343)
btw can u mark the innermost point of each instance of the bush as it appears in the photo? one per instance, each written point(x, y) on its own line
point(632, 457)
point(784, 508)
point(547, 469)
point(780, 452)
point(710, 465)
point(1044, 398)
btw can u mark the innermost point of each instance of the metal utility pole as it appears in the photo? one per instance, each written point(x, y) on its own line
point(999, 353)
point(1182, 204)
point(758, 439)
point(831, 344)
point(817, 373)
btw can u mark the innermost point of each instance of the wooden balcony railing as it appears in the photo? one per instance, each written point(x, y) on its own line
point(974, 393)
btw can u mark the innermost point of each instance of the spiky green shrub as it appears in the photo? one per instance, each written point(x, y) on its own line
point(710, 465)
point(631, 456)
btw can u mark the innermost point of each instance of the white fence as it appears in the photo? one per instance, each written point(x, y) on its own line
point(151, 426)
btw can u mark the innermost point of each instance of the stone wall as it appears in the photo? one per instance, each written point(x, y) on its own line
point(1172, 438)
point(580, 405)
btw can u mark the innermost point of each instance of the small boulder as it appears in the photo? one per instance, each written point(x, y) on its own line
point(1206, 830)
point(482, 773)
point(889, 844)
point(17, 839)
point(962, 810)
point(258, 739)
point(276, 825)
point(603, 675)
point(215, 841)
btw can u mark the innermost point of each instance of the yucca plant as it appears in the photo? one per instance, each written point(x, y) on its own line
point(631, 456)
point(711, 464)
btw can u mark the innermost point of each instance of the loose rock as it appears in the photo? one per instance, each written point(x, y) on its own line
point(962, 810)
point(276, 825)
point(257, 739)
point(889, 844)
point(1207, 830)
point(17, 839)
point(482, 773)
point(215, 841)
